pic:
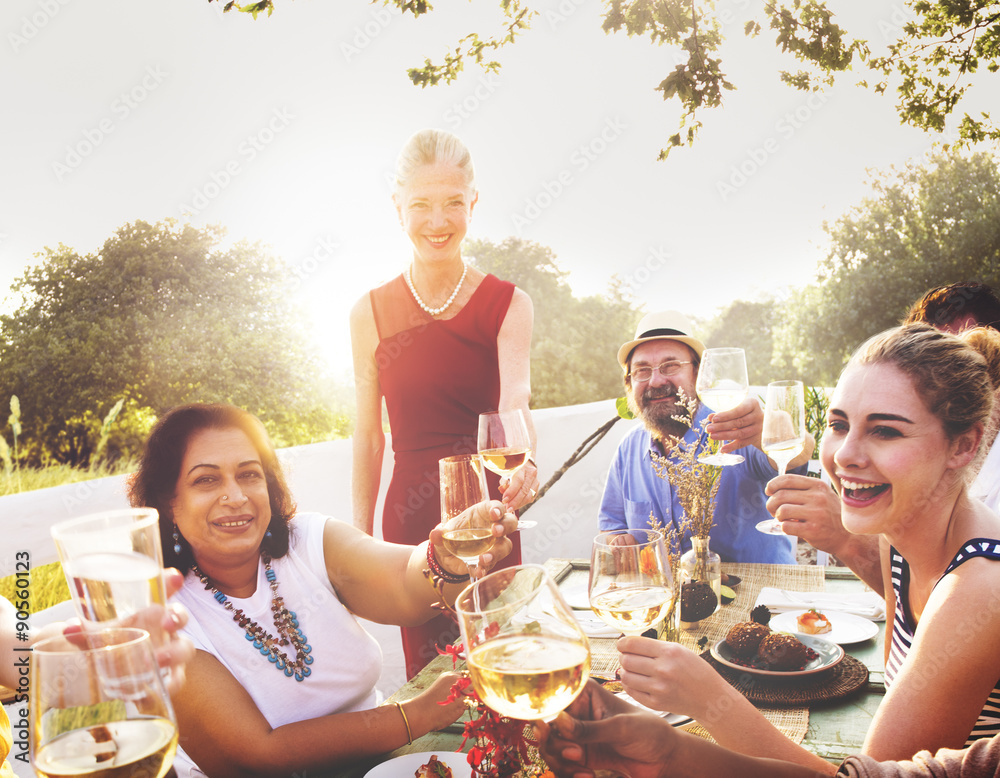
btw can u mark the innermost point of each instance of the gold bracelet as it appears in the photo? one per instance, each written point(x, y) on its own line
point(406, 721)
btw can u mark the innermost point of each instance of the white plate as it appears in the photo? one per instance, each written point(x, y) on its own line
point(406, 765)
point(673, 719)
point(830, 654)
point(847, 628)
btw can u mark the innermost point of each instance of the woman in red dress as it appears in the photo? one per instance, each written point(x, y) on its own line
point(442, 343)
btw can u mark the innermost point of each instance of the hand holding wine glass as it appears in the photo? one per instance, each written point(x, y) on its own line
point(630, 586)
point(527, 656)
point(722, 384)
point(505, 444)
point(467, 534)
point(99, 707)
point(784, 432)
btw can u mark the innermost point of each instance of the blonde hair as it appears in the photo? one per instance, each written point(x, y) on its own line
point(428, 147)
point(952, 378)
point(986, 341)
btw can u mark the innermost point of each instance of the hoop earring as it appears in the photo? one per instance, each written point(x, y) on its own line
point(177, 540)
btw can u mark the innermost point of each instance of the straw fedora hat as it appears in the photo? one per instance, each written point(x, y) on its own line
point(662, 325)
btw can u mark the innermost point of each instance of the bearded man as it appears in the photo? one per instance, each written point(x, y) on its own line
point(660, 370)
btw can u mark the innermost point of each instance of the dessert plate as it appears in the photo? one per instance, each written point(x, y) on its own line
point(408, 764)
point(829, 655)
point(846, 627)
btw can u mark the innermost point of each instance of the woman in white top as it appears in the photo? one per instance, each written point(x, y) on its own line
point(283, 676)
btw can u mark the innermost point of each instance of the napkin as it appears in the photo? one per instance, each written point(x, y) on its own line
point(866, 604)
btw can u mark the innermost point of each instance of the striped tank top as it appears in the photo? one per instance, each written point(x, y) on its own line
point(904, 629)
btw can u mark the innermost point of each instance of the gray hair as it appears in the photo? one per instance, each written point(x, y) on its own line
point(428, 147)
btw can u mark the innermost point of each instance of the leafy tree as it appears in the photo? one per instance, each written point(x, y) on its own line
point(750, 326)
point(162, 314)
point(575, 341)
point(938, 47)
point(928, 224)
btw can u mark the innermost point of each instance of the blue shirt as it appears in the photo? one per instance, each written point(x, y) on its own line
point(634, 490)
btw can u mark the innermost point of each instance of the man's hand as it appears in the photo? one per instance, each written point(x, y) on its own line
point(739, 427)
point(599, 731)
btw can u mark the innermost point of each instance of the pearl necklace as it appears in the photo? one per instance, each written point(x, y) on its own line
point(448, 302)
point(285, 621)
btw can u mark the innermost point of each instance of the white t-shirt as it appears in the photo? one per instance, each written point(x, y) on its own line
point(347, 660)
point(986, 487)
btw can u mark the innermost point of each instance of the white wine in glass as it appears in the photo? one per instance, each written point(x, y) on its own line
point(113, 564)
point(99, 707)
point(722, 384)
point(630, 585)
point(784, 432)
point(527, 656)
point(505, 444)
point(463, 484)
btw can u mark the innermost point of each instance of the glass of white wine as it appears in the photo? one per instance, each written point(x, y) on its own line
point(784, 432)
point(722, 385)
point(113, 562)
point(527, 656)
point(505, 445)
point(467, 534)
point(99, 707)
point(630, 584)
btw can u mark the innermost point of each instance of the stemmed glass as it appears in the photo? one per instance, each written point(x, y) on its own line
point(99, 707)
point(722, 385)
point(113, 564)
point(505, 445)
point(784, 432)
point(630, 584)
point(527, 656)
point(463, 484)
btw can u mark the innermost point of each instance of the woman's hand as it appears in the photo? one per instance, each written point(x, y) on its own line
point(668, 676)
point(428, 709)
point(521, 487)
point(599, 731)
point(503, 524)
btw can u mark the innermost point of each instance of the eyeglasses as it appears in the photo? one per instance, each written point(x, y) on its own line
point(665, 369)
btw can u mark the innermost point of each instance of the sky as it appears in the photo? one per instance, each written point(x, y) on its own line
point(286, 129)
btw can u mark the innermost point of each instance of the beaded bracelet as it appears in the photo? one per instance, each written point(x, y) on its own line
point(406, 721)
point(439, 571)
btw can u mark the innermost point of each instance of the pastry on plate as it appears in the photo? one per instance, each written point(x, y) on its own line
point(812, 622)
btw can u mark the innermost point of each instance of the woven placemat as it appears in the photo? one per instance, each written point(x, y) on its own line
point(841, 680)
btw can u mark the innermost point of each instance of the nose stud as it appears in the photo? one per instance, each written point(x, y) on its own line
point(225, 497)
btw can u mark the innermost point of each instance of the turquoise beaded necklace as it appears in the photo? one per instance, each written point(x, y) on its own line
point(285, 621)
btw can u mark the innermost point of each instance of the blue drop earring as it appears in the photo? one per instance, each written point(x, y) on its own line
point(177, 540)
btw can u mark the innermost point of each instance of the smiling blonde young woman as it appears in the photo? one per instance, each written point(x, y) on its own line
point(905, 422)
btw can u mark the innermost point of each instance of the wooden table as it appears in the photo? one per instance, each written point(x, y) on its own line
point(836, 729)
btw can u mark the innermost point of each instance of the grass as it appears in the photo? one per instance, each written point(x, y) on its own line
point(48, 584)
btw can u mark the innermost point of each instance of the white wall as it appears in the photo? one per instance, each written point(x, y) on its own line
point(320, 479)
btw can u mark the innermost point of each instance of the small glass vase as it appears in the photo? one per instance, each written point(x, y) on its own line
point(700, 573)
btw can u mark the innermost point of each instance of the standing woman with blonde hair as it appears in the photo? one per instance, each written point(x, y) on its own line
point(442, 343)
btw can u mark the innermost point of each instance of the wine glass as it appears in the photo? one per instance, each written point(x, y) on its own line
point(505, 445)
point(630, 585)
point(463, 484)
point(113, 564)
point(98, 706)
point(784, 432)
point(722, 385)
point(527, 656)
